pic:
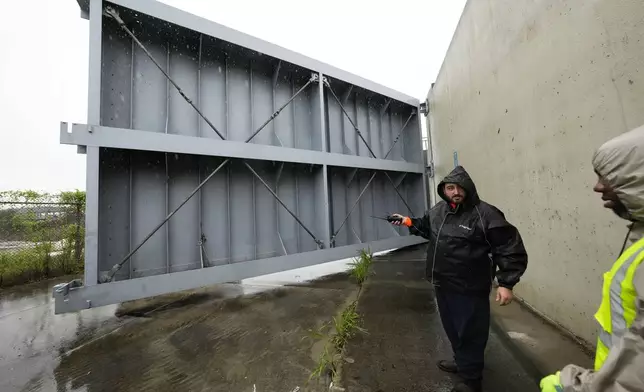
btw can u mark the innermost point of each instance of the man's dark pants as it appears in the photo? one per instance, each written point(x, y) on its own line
point(466, 320)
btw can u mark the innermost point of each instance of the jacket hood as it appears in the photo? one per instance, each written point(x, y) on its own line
point(460, 177)
point(620, 162)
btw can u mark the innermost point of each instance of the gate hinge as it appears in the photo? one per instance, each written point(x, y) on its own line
point(430, 170)
point(63, 288)
point(424, 107)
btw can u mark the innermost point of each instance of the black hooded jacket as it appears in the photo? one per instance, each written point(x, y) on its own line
point(470, 242)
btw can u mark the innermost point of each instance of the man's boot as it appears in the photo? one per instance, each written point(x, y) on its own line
point(448, 366)
point(468, 386)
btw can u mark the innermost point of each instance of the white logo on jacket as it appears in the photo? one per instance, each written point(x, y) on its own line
point(465, 227)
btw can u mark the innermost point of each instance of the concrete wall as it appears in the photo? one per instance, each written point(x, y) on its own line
point(528, 90)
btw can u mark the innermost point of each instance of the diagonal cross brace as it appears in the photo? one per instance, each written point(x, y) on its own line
point(412, 114)
point(390, 148)
point(355, 127)
point(346, 218)
point(110, 12)
point(364, 189)
point(371, 179)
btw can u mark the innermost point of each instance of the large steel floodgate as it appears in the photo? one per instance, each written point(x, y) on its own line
point(213, 156)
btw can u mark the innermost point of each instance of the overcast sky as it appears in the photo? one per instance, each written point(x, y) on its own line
point(43, 72)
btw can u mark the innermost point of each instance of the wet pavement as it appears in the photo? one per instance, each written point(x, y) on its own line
point(249, 336)
point(543, 348)
point(255, 336)
point(405, 338)
point(32, 337)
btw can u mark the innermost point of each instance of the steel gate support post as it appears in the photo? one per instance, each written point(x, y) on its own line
point(93, 153)
point(326, 193)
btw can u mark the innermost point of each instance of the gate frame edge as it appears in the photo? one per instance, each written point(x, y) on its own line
point(93, 153)
point(72, 299)
point(208, 27)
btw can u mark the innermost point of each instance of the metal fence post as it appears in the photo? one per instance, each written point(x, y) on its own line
point(77, 236)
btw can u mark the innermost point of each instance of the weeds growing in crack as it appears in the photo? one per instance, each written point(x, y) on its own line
point(360, 266)
point(343, 327)
point(346, 326)
point(327, 365)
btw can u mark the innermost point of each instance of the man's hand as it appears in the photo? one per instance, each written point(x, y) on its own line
point(400, 220)
point(504, 296)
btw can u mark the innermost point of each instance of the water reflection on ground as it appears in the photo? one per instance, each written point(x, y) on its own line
point(34, 339)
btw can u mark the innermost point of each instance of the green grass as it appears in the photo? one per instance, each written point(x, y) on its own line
point(344, 326)
point(326, 363)
point(361, 266)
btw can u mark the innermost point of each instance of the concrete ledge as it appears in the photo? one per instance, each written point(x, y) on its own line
point(541, 346)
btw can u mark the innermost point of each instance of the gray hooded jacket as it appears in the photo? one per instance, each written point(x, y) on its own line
point(620, 162)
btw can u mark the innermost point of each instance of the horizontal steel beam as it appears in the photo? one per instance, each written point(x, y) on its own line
point(85, 297)
point(185, 19)
point(99, 136)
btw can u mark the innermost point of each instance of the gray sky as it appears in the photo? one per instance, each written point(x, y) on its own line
point(43, 72)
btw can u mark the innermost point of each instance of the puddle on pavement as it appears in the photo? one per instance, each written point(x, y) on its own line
point(216, 343)
point(34, 336)
point(228, 332)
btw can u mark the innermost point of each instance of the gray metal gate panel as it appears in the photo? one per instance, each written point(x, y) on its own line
point(165, 88)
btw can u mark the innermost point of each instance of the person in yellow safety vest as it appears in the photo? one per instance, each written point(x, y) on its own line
point(619, 359)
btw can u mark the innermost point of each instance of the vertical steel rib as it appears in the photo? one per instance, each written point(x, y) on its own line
point(167, 163)
point(355, 127)
point(355, 204)
point(130, 174)
point(253, 193)
point(110, 12)
point(228, 169)
point(400, 133)
point(199, 160)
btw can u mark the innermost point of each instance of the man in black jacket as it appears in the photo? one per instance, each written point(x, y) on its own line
point(471, 242)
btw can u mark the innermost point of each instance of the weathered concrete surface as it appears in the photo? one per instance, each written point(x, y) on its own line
point(537, 343)
point(527, 91)
point(238, 337)
point(221, 338)
point(256, 341)
point(405, 337)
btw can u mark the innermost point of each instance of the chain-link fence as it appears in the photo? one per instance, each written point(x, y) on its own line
point(41, 236)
